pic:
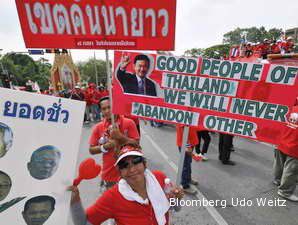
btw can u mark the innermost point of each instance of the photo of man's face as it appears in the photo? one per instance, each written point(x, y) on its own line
point(44, 162)
point(38, 209)
point(5, 185)
point(6, 137)
point(141, 68)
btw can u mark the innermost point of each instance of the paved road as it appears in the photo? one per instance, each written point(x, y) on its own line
point(249, 181)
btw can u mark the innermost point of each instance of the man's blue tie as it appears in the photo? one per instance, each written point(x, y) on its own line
point(141, 87)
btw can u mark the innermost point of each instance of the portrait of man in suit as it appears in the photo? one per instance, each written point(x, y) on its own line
point(138, 81)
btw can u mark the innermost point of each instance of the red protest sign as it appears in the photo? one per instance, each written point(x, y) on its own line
point(93, 24)
point(239, 98)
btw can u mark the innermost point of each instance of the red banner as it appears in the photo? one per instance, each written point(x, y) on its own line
point(251, 100)
point(93, 24)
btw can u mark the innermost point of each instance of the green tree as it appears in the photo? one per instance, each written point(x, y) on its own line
point(87, 70)
point(22, 68)
point(194, 52)
point(217, 51)
point(253, 34)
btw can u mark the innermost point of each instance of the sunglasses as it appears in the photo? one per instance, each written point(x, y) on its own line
point(125, 164)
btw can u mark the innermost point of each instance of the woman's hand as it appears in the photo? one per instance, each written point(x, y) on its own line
point(75, 194)
point(176, 192)
point(189, 151)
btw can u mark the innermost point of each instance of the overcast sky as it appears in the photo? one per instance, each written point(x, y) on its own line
point(200, 23)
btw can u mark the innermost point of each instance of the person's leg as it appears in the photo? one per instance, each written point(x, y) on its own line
point(206, 137)
point(225, 156)
point(93, 112)
point(227, 144)
point(197, 147)
point(186, 176)
point(220, 146)
point(185, 172)
point(289, 176)
point(278, 165)
point(188, 160)
point(97, 112)
point(87, 112)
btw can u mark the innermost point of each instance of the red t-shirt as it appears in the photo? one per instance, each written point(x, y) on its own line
point(128, 128)
point(91, 96)
point(113, 205)
point(192, 136)
point(289, 140)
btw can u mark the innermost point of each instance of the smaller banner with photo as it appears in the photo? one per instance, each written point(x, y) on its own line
point(39, 143)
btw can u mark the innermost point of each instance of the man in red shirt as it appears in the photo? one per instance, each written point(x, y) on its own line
point(91, 99)
point(105, 139)
point(139, 197)
point(103, 91)
point(286, 159)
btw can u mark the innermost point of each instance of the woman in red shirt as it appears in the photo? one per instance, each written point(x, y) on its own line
point(138, 198)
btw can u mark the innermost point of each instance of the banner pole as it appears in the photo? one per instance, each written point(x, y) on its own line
point(110, 85)
point(95, 68)
point(182, 154)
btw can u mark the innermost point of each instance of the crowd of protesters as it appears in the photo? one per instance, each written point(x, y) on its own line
point(261, 50)
point(91, 94)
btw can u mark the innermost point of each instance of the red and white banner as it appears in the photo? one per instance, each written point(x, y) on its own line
point(251, 100)
point(93, 24)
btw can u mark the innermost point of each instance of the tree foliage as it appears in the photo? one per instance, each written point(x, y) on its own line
point(22, 68)
point(253, 34)
point(212, 52)
point(234, 37)
point(194, 52)
point(88, 73)
point(217, 51)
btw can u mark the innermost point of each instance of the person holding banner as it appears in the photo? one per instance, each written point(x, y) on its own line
point(139, 197)
point(137, 82)
point(105, 139)
point(286, 159)
point(192, 141)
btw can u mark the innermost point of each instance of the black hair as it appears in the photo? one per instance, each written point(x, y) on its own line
point(39, 199)
point(104, 98)
point(142, 57)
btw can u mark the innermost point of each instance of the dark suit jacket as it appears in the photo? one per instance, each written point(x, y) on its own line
point(129, 83)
